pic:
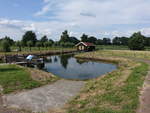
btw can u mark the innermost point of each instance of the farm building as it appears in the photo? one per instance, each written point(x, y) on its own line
point(85, 46)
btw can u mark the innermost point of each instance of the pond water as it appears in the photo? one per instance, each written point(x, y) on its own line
point(68, 67)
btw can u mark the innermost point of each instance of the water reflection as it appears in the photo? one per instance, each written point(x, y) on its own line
point(80, 61)
point(55, 59)
point(64, 60)
point(66, 66)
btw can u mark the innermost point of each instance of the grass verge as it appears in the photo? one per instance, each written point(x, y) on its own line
point(118, 92)
point(125, 53)
point(15, 78)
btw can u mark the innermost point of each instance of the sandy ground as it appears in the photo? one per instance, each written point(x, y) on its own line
point(4, 109)
point(43, 99)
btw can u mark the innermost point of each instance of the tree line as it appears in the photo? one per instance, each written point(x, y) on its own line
point(135, 42)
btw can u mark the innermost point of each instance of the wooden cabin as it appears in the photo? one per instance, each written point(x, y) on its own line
point(85, 46)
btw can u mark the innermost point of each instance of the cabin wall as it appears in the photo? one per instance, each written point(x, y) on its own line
point(82, 47)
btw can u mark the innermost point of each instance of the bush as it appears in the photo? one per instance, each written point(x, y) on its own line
point(5, 46)
point(136, 42)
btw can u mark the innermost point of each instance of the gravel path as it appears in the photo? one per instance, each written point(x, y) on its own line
point(53, 96)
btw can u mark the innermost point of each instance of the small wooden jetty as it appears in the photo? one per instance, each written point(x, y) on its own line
point(35, 64)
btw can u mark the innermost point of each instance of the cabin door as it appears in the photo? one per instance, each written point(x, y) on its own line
point(81, 47)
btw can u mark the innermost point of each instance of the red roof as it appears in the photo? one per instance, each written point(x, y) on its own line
point(86, 44)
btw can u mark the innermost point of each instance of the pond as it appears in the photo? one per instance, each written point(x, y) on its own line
point(68, 67)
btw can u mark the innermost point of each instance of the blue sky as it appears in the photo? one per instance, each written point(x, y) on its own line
point(19, 9)
point(102, 18)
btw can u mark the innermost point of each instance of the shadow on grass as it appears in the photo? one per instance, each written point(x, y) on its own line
point(8, 69)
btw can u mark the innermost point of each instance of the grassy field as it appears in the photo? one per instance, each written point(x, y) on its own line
point(125, 53)
point(111, 47)
point(116, 92)
point(115, 47)
point(26, 50)
point(16, 78)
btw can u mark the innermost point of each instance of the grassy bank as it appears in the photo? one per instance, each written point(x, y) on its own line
point(117, 92)
point(124, 53)
point(35, 50)
point(15, 78)
point(116, 47)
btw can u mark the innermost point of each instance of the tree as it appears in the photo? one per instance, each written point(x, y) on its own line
point(56, 43)
point(147, 41)
point(29, 36)
point(116, 41)
point(38, 44)
point(43, 40)
point(136, 41)
point(106, 41)
point(19, 45)
point(47, 44)
point(9, 40)
point(92, 39)
point(120, 41)
point(124, 41)
point(84, 38)
point(50, 40)
point(5, 46)
point(74, 40)
point(65, 37)
point(99, 42)
point(30, 44)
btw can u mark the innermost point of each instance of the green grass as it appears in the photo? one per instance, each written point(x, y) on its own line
point(13, 78)
point(26, 50)
point(111, 47)
point(117, 92)
point(115, 47)
point(125, 53)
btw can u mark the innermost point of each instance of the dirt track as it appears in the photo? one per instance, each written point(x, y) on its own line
point(53, 96)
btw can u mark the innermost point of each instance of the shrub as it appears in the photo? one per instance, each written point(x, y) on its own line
point(136, 42)
point(5, 46)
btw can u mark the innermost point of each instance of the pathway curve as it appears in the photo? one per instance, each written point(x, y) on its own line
point(145, 94)
point(53, 96)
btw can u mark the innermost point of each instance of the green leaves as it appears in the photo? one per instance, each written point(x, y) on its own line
point(136, 41)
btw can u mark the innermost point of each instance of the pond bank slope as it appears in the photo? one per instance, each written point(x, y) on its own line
point(118, 92)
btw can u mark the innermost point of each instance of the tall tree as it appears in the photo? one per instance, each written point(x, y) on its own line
point(84, 38)
point(9, 40)
point(30, 44)
point(92, 39)
point(38, 44)
point(74, 40)
point(116, 41)
point(43, 40)
point(65, 37)
point(147, 41)
point(99, 42)
point(106, 41)
point(136, 41)
point(52, 41)
point(5, 46)
point(124, 41)
point(19, 45)
point(29, 36)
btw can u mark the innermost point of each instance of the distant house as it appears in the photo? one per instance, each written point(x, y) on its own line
point(85, 46)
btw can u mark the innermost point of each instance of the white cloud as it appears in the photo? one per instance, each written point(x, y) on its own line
point(93, 17)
